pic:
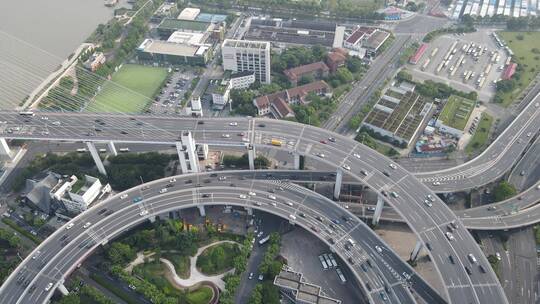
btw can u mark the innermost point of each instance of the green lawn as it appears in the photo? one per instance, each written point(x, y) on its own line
point(181, 263)
point(130, 90)
point(155, 274)
point(480, 137)
point(217, 259)
point(526, 47)
point(456, 112)
point(202, 295)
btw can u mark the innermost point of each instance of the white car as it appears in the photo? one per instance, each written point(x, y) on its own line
point(272, 197)
point(56, 123)
point(450, 236)
point(346, 167)
point(290, 204)
point(292, 216)
point(242, 196)
point(251, 193)
point(44, 118)
point(250, 276)
point(436, 183)
point(273, 204)
point(48, 287)
point(392, 166)
point(172, 180)
point(163, 190)
point(378, 248)
point(123, 196)
point(498, 256)
point(36, 255)
point(87, 225)
point(143, 213)
point(225, 135)
point(321, 155)
point(69, 226)
point(428, 203)
point(233, 124)
point(356, 155)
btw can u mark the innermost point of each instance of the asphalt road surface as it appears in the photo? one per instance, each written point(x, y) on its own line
point(363, 164)
point(53, 260)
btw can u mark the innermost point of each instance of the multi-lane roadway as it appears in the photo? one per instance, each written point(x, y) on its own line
point(497, 159)
point(376, 266)
point(363, 164)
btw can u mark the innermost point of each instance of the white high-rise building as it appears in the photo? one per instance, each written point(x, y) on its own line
point(245, 55)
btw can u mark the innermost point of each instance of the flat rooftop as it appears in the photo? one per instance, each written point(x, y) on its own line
point(246, 44)
point(456, 112)
point(168, 48)
point(186, 37)
point(306, 292)
point(176, 24)
point(399, 112)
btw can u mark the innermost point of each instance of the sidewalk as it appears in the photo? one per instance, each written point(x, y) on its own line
point(195, 276)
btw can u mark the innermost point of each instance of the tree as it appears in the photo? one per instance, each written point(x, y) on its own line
point(269, 89)
point(344, 75)
point(120, 253)
point(503, 191)
point(306, 79)
point(270, 293)
point(242, 102)
point(256, 296)
point(354, 64)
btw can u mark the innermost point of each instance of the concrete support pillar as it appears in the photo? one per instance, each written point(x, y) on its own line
point(202, 212)
point(251, 157)
point(296, 161)
point(181, 157)
point(112, 148)
point(95, 155)
point(63, 289)
point(378, 210)
point(191, 149)
point(416, 250)
point(152, 218)
point(249, 210)
point(337, 186)
point(4, 148)
point(187, 153)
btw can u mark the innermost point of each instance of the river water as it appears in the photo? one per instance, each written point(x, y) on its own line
point(37, 35)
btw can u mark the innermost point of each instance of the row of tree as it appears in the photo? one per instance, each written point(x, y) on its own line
point(232, 280)
point(233, 161)
point(267, 292)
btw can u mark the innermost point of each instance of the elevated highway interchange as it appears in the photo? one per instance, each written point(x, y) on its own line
point(250, 190)
point(363, 164)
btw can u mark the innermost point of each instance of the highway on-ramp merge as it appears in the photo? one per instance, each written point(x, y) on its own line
point(371, 168)
point(59, 254)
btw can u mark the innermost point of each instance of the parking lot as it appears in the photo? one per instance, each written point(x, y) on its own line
point(172, 93)
point(467, 62)
point(302, 250)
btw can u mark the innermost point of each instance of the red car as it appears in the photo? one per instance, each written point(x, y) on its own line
point(323, 141)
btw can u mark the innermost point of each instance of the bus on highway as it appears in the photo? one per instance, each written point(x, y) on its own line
point(124, 150)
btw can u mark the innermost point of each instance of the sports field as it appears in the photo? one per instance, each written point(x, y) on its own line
point(130, 90)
